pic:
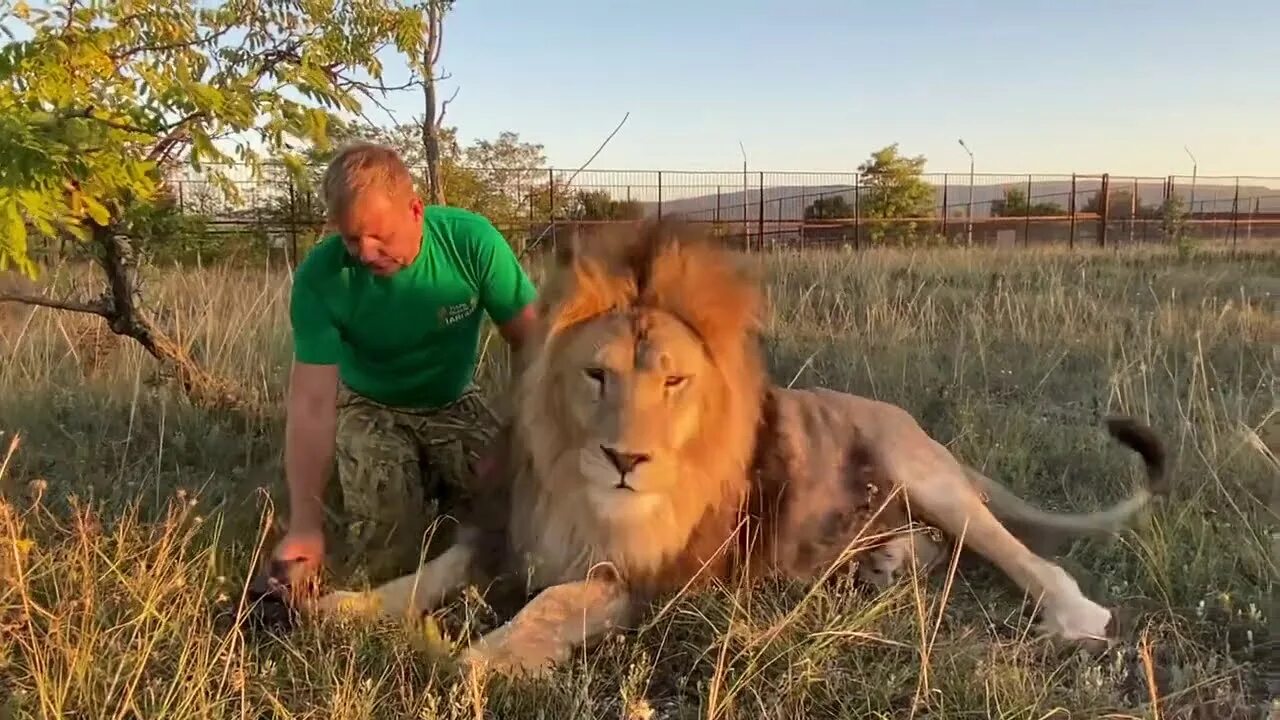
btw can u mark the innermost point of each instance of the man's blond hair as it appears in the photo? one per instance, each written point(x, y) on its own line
point(360, 167)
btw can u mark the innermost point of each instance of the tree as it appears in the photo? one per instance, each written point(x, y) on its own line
point(503, 179)
point(433, 120)
point(892, 188)
point(1173, 219)
point(834, 207)
point(1120, 205)
point(405, 139)
point(511, 180)
point(600, 205)
point(103, 99)
point(508, 165)
point(1014, 204)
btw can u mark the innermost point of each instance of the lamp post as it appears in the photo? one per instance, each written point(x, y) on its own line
point(969, 220)
point(1191, 206)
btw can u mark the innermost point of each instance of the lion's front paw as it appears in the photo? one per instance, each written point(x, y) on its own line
point(342, 601)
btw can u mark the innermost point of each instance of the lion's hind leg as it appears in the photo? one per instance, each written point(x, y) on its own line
point(412, 594)
point(938, 491)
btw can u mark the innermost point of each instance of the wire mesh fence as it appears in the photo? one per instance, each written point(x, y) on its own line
point(767, 211)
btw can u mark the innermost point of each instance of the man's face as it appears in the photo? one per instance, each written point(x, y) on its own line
point(383, 234)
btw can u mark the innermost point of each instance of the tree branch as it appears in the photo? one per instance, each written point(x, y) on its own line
point(174, 136)
point(127, 53)
point(445, 106)
point(97, 307)
point(338, 79)
point(534, 243)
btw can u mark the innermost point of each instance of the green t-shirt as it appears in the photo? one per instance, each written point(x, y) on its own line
point(409, 339)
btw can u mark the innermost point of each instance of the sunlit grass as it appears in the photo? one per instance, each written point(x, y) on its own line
point(129, 519)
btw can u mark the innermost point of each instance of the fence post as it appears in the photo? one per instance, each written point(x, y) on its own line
point(1235, 217)
point(1071, 210)
point(944, 208)
point(760, 218)
point(1133, 209)
point(659, 194)
point(1257, 207)
point(1104, 207)
point(551, 207)
point(717, 204)
point(1026, 222)
point(803, 204)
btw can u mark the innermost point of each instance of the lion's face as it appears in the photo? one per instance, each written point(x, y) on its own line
point(634, 389)
point(638, 399)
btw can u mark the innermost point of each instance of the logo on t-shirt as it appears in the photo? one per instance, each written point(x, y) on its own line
point(450, 314)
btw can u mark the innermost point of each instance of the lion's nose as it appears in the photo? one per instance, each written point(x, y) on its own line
point(625, 462)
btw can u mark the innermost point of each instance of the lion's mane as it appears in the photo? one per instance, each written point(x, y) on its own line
point(671, 267)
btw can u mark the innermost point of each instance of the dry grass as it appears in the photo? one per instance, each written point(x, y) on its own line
point(129, 519)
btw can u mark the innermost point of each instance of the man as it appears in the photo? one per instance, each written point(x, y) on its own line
point(386, 318)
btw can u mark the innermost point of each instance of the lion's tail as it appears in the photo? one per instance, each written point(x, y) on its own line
point(1044, 532)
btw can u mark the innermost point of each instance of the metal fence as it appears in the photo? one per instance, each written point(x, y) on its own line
point(772, 210)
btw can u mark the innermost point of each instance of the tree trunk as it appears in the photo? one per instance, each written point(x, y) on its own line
point(431, 118)
point(125, 317)
point(431, 142)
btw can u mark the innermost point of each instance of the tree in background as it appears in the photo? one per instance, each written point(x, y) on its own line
point(1014, 204)
point(892, 187)
point(1173, 220)
point(833, 207)
point(104, 99)
point(1120, 205)
point(600, 205)
point(504, 179)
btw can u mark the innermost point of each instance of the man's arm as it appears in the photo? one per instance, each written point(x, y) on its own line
point(516, 330)
point(506, 293)
point(311, 410)
point(310, 426)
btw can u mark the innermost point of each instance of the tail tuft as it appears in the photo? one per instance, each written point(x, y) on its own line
point(1143, 440)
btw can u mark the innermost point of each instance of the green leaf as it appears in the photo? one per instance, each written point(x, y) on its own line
point(65, 66)
point(96, 211)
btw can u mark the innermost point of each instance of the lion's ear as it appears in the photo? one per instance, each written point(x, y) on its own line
point(587, 281)
point(707, 285)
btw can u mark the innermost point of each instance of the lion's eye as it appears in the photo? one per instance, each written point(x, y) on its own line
point(675, 381)
point(595, 374)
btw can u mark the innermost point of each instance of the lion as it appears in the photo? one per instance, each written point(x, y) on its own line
point(649, 453)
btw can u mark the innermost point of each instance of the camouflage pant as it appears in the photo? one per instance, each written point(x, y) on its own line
point(400, 470)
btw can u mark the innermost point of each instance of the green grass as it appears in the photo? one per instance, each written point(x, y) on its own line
point(129, 519)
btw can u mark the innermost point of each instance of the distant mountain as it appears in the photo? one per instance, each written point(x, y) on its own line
point(787, 202)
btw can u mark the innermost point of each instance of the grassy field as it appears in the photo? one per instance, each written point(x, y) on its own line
point(129, 519)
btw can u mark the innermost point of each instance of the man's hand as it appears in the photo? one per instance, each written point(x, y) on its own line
point(298, 556)
point(284, 583)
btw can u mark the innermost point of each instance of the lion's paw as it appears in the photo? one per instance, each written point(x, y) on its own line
point(1081, 621)
point(342, 601)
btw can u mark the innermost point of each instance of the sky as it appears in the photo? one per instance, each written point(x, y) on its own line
point(1048, 87)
